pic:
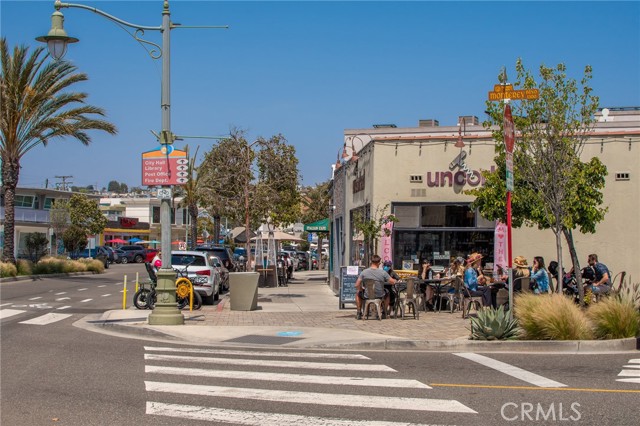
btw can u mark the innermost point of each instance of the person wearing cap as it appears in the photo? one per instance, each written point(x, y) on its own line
point(473, 282)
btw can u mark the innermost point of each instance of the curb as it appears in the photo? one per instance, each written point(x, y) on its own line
point(545, 346)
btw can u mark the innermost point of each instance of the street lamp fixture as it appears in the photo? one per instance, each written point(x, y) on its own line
point(166, 312)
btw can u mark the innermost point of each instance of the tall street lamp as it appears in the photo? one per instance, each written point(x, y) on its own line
point(166, 312)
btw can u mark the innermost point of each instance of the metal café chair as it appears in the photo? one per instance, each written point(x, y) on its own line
point(370, 285)
point(408, 300)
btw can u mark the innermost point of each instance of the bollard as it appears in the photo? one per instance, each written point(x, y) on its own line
point(137, 273)
point(124, 294)
point(190, 297)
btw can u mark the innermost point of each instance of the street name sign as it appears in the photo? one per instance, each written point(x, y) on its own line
point(499, 93)
point(164, 166)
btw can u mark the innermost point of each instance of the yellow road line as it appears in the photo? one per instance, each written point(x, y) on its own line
point(456, 385)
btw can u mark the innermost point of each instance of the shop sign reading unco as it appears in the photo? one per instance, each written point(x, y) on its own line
point(459, 174)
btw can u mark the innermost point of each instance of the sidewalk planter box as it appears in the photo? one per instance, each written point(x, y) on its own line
point(243, 291)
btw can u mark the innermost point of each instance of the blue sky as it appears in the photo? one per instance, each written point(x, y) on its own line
point(309, 70)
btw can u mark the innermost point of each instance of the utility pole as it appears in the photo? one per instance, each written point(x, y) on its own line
point(63, 185)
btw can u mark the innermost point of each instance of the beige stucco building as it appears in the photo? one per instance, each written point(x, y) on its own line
point(420, 174)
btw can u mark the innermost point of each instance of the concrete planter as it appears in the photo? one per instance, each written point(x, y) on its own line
point(243, 291)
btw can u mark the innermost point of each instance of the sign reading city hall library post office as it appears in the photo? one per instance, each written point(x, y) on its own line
point(164, 166)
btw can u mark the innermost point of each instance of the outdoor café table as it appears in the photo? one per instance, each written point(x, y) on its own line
point(437, 284)
point(495, 286)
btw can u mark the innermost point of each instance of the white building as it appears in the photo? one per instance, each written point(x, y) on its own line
point(420, 175)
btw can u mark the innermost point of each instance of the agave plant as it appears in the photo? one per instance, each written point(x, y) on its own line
point(494, 324)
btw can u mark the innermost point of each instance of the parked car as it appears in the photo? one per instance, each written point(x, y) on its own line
point(223, 253)
point(134, 253)
point(151, 253)
point(224, 272)
point(200, 271)
point(293, 255)
point(96, 253)
point(303, 260)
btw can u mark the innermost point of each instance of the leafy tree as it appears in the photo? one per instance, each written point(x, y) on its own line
point(36, 108)
point(550, 180)
point(372, 228)
point(124, 189)
point(59, 218)
point(74, 239)
point(113, 186)
point(85, 214)
point(36, 244)
point(247, 181)
point(315, 206)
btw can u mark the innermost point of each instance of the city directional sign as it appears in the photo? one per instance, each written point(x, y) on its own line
point(164, 167)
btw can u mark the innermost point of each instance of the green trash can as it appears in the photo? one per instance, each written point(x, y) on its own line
point(243, 291)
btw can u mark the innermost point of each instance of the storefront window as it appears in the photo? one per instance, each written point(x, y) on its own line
point(440, 246)
point(449, 216)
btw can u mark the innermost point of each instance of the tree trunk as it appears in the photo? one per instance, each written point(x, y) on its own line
point(193, 213)
point(10, 173)
point(216, 229)
point(559, 253)
point(568, 235)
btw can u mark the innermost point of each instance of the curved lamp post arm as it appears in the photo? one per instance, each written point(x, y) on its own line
point(59, 5)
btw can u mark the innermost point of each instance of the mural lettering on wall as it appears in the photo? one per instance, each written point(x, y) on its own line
point(463, 176)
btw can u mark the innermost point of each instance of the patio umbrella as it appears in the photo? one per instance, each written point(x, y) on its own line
point(116, 241)
point(154, 242)
point(135, 240)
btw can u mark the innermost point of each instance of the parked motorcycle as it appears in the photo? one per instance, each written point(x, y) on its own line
point(146, 296)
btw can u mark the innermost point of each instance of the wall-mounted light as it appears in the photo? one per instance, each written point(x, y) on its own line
point(462, 128)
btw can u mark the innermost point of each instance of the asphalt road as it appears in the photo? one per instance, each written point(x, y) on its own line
point(56, 374)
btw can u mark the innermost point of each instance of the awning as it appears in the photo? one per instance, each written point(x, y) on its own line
point(319, 226)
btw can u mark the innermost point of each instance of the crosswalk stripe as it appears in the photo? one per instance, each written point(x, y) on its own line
point(258, 353)
point(36, 298)
point(105, 295)
point(635, 361)
point(344, 400)
point(631, 366)
point(634, 380)
point(5, 304)
point(46, 319)
point(60, 299)
point(86, 300)
point(630, 373)
point(511, 370)
point(6, 313)
point(62, 292)
point(103, 285)
point(82, 289)
point(286, 377)
point(255, 418)
point(62, 308)
point(273, 363)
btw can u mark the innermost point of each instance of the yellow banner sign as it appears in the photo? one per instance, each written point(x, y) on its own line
point(527, 94)
point(502, 87)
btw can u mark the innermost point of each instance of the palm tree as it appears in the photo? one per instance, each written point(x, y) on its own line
point(35, 109)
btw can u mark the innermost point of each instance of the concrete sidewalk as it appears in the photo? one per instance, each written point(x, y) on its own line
point(306, 314)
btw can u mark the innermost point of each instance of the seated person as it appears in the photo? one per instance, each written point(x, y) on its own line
point(539, 276)
point(388, 267)
point(601, 283)
point(520, 270)
point(426, 273)
point(374, 272)
point(474, 283)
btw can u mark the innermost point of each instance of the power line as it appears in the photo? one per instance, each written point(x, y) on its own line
point(63, 186)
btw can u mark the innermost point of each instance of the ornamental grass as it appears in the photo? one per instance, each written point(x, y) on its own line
point(8, 270)
point(614, 318)
point(551, 317)
point(25, 267)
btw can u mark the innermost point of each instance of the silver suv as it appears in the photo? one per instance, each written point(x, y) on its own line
point(202, 274)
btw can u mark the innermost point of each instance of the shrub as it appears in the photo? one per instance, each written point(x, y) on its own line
point(614, 318)
point(92, 265)
point(8, 270)
point(24, 267)
point(551, 317)
point(493, 324)
point(49, 265)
